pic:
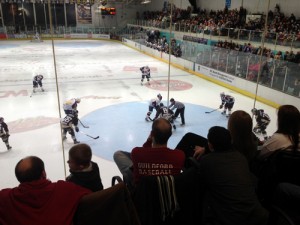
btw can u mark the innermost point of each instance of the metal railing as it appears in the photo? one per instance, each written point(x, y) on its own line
point(278, 74)
point(290, 41)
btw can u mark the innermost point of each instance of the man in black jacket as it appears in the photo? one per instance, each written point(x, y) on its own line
point(229, 196)
point(83, 171)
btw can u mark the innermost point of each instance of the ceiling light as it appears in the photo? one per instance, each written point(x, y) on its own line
point(145, 1)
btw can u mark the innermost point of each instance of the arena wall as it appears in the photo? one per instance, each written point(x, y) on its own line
point(264, 94)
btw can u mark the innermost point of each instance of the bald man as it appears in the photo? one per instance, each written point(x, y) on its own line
point(37, 200)
point(154, 158)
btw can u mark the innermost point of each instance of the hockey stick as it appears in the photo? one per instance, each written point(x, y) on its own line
point(212, 110)
point(83, 124)
point(89, 135)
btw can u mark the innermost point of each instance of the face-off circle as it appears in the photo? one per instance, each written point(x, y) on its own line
point(175, 85)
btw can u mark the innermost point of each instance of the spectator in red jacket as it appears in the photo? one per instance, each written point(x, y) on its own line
point(154, 158)
point(37, 200)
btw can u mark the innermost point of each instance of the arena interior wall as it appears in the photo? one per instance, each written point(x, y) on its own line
point(264, 94)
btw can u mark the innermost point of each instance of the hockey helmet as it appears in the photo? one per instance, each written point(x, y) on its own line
point(78, 100)
point(1, 119)
point(254, 111)
point(222, 94)
point(161, 104)
point(172, 100)
point(159, 96)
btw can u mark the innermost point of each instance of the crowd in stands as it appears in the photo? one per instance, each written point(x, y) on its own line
point(275, 64)
point(154, 41)
point(227, 178)
point(289, 56)
point(217, 22)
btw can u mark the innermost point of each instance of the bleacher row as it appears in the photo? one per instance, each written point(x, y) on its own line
point(230, 40)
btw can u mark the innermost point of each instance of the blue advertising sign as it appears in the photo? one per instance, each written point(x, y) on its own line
point(228, 4)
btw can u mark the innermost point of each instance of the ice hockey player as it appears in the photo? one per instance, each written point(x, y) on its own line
point(153, 104)
point(166, 113)
point(36, 38)
point(180, 107)
point(68, 124)
point(70, 106)
point(4, 133)
point(38, 81)
point(227, 103)
point(262, 121)
point(145, 74)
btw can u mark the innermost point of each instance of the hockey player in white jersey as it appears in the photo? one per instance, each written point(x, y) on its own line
point(153, 104)
point(145, 74)
point(70, 106)
point(37, 81)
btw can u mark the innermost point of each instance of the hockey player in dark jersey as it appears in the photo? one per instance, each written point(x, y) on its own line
point(165, 112)
point(68, 123)
point(262, 120)
point(227, 101)
point(4, 133)
point(38, 81)
point(145, 74)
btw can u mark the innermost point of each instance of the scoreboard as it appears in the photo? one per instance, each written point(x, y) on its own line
point(108, 11)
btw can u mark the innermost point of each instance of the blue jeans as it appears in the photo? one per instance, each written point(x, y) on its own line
point(124, 163)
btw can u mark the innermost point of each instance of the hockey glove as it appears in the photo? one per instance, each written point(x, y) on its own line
point(221, 106)
point(7, 134)
point(76, 129)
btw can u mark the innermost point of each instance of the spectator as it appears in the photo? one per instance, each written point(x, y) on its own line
point(243, 140)
point(83, 171)
point(240, 128)
point(229, 196)
point(154, 158)
point(287, 135)
point(37, 200)
point(287, 195)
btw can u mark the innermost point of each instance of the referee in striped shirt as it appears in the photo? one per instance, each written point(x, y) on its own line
point(179, 106)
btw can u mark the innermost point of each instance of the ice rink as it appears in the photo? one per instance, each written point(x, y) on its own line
point(106, 76)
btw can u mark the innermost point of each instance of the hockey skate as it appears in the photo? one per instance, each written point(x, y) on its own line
point(174, 127)
point(223, 113)
point(8, 147)
point(76, 142)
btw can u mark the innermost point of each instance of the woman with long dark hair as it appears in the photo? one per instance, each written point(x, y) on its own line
point(287, 136)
